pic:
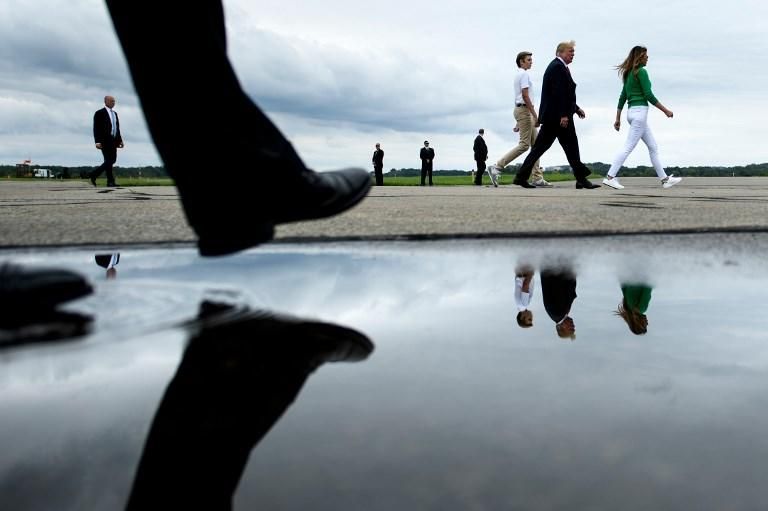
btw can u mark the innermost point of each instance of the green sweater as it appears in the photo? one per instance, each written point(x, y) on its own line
point(638, 296)
point(637, 90)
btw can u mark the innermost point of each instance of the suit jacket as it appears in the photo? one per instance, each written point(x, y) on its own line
point(558, 290)
point(102, 128)
point(427, 154)
point(480, 149)
point(378, 157)
point(558, 93)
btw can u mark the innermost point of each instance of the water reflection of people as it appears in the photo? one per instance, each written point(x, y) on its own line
point(558, 290)
point(108, 262)
point(524, 287)
point(238, 375)
point(634, 304)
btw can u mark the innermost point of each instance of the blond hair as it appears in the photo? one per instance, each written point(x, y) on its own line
point(565, 45)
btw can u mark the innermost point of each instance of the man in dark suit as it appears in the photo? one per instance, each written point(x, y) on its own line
point(378, 164)
point(558, 291)
point(427, 155)
point(558, 104)
point(481, 155)
point(106, 134)
point(215, 143)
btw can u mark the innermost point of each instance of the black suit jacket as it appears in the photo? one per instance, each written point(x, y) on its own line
point(558, 291)
point(378, 157)
point(427, 154)
point(558, 93)
point(480, 149)
point(102, 128)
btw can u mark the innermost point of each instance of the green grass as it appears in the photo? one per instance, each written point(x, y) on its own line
point(506, 179)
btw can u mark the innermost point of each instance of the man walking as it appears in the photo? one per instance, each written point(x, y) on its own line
point(427, 155)
point(527, 120)
point(106, 134)
point(378, 165)
point(481, 155)
point(558, 104)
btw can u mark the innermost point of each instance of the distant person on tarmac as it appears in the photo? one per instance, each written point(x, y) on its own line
point(106, 134)
point(636, 91)
point(378, 164)
point(427, 155)
point(480, 151)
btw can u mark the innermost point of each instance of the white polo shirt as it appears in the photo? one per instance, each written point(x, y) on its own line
point(523, 81)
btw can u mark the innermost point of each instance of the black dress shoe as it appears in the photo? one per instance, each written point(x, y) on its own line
point(93, 179)
point(524, 184)
point(113, 185)
point(586, 184)
point(38, 289)
point(307, 196)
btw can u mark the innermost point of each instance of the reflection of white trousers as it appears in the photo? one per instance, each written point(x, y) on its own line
point(637, 116)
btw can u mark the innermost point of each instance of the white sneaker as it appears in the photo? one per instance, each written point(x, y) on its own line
point(542, 183)
point(613, 183)
point(671, 181)
point(493, 171)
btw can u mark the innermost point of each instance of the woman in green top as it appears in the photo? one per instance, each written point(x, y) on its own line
point(637, 92)
point(634, 303)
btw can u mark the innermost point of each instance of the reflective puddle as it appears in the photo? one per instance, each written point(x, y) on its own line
point(606, 373)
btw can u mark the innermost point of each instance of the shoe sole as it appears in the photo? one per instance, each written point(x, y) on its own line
point(610, 185)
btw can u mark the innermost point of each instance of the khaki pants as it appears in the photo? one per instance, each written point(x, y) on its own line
point(528, 134)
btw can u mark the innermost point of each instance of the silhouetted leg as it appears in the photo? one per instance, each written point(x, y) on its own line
point(547, 135)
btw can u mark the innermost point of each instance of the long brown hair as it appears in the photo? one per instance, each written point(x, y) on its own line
point(632, 62)
point(636, 320)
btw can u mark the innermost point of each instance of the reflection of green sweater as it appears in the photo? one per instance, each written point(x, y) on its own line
point(637, 296)
point(637, 90)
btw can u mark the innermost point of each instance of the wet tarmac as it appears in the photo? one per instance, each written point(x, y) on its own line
point(454, 405)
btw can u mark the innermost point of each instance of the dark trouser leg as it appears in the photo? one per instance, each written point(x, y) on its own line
point(480, 172)
point(215, 142)
point(429, 172)
point(547, 135)
point(109, 153)
point(423, 173)
point(378, 171)
point(570, 144)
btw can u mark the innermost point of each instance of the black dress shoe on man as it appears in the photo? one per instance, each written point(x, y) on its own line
point(586, 184)
point(92, 178)
point(524, 184)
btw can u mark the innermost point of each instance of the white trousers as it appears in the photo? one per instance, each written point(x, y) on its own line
point(637, 116)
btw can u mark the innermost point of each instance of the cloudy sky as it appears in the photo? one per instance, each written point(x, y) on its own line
point(339, 75)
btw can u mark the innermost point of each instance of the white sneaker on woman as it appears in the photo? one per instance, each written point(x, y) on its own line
point(613, 183)
point(671, 181)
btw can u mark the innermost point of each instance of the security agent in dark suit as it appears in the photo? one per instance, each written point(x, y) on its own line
point(106, 134)
point(481, 155)
point(558, 291)
point(184, 79)
point(378, 164)
point(558, 104)
point(427, 155)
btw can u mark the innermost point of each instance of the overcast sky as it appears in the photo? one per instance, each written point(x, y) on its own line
point(340, 75)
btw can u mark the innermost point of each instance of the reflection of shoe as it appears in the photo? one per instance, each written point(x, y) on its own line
point(671, 181)
point(524, 184)
point(38, 289)
point(310, 196)
point(542, 183)
point(587, 184)
point(613, 183)
point(493, 172)
point(32, 326)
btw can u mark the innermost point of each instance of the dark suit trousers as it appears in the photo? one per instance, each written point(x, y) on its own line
point(109, 152)
point(480, 172)
point(426, 169)
point(568, 140)
point(212, 138)
point(378, 172)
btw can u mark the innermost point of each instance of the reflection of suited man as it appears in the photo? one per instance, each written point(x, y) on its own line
point(238, 375)
point(427, 154)
point(481, 154)
point(558, 290)
point(106, 135)
point(558, 104)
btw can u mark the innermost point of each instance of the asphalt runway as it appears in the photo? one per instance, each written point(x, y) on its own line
point(48, 213)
